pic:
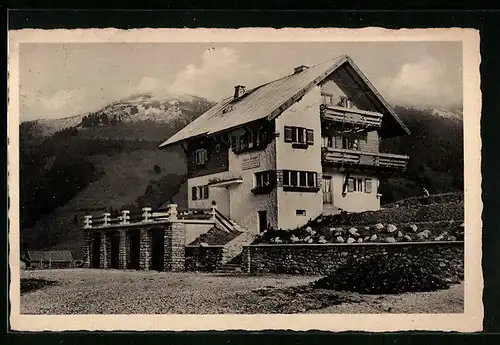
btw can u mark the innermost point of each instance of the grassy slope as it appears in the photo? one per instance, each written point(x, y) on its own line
point(126, 177)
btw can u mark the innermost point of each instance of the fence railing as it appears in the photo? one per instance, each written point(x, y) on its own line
point(148, 215)
point(362, 158)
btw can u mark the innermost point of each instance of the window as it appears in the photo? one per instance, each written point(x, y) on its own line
point(300, 212)
point(265, 179)
point(299, 179)
point(343, 142)
point(200, 156)
point(368, 185)
point(311, 179)
point(327, 98)
point(309, 136)
point(359, 185)
point(249, 139)
point(299, 135)
point(199, 192)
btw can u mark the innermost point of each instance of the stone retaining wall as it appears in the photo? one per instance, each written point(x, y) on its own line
point(203, 258)
point(324, 259)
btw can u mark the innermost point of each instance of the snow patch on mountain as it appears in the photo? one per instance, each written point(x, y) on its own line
point(177, 110)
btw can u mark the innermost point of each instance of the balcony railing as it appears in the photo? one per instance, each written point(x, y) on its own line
point(345, 157)
point(351, 116)
point(127, 219)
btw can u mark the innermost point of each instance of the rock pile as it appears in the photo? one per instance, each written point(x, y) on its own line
point(383, 275)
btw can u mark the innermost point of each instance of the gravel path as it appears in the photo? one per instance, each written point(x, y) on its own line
point(86, 291)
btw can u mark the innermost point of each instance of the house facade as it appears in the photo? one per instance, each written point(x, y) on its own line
point(292, 149)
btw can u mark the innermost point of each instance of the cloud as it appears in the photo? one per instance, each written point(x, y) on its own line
point(426, 83)
point(62, 103)
point(218, 72)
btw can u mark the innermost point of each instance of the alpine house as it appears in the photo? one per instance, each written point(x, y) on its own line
point(292, 149)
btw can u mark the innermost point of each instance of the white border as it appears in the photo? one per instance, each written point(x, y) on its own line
point(470, 320)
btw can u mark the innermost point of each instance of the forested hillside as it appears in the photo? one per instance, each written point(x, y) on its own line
point(435, 147)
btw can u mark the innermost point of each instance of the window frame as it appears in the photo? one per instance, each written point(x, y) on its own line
point(299, 137)
point(358, 185)
point(200, 156)
point(300, 180)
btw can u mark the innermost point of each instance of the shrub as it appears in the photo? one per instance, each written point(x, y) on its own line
point(384, 275)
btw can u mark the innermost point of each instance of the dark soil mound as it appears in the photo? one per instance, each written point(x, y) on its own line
point(32, 284)
point(383, 275)
point(216, 236)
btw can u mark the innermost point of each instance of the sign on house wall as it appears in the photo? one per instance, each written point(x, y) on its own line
point(250, 162)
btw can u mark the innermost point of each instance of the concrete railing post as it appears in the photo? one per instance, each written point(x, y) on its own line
point(125, 217)
point(146, 214)
point(213, 211)
point(87, 222)
point(172, 212)
point(106, 219)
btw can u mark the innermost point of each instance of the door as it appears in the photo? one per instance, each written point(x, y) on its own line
point(262, 221)
point(327, 190)
point(157, 249)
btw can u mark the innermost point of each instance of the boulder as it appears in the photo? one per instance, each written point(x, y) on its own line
point(278, 240)
point(373, 238)
point(390, 240)
point(350, 240)
point(307, 238)
point(322, 241)
point(332, 229)
point(310, 240)
point(353, 231)
point(294, 239)
point(452, 238)
point(427, 232)
point(400, 234)
point(203, 244)
point(309, 229)
point(391, 228)
point(366, 228)
point(439, 238)
point(379, 226)
point(340, 239)
point(366, 238)
point(422, 235)
point(360, 240)
point(407, 238)
point(414, 228)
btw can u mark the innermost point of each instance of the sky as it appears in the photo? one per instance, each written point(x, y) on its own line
point(59, 80)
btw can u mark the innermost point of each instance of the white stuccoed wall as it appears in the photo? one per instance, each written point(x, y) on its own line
point(353, 201)
point(244, 204)
point(237, 200)
point(218, 194)
point(304, 113)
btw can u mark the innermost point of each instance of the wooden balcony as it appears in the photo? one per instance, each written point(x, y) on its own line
point(360, 159)
point(355, 117)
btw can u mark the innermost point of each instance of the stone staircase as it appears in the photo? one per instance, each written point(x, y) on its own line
point(231, 254)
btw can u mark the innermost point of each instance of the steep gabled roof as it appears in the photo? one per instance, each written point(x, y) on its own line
point(270, 100)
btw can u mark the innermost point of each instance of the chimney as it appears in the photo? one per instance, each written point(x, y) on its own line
point(239, 90)
point(300, 68)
